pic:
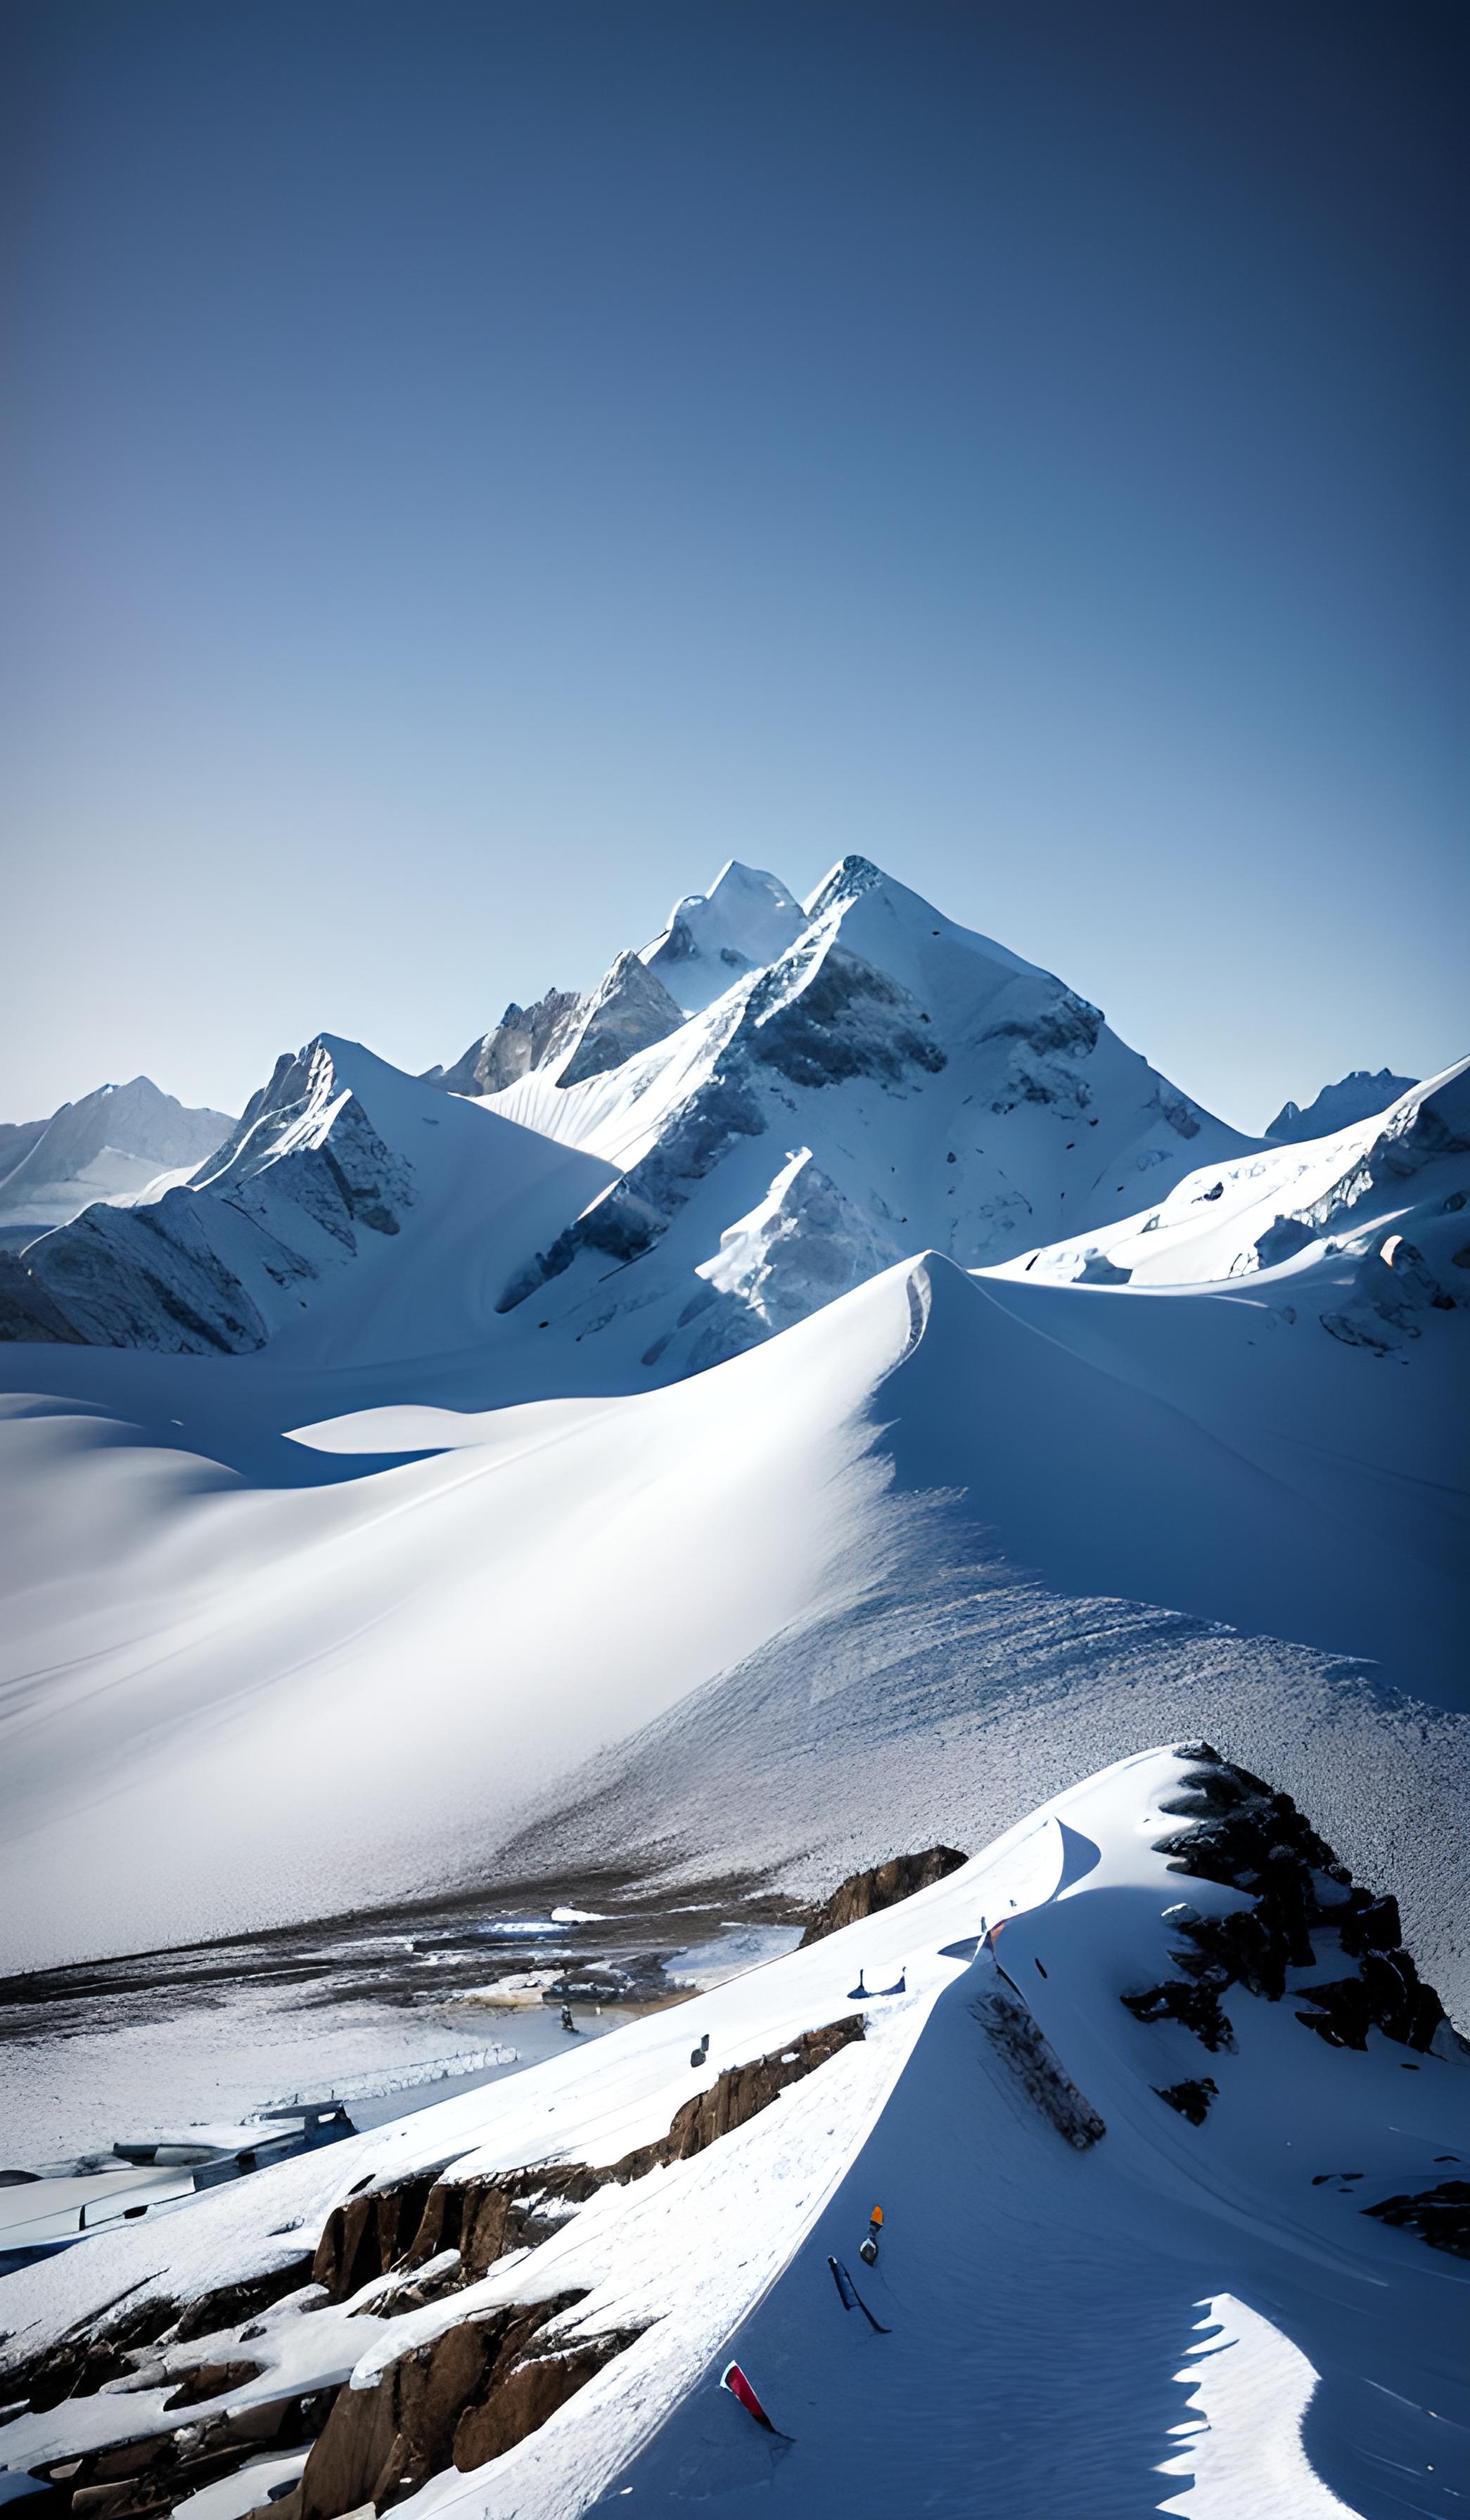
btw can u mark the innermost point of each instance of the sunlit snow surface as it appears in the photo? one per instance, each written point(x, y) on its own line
point(1047, 2307)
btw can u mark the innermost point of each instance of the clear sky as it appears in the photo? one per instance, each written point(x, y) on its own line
point(477, 467)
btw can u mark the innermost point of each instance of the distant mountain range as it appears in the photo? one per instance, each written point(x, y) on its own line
point(109, 1146)
point(1357, 1096)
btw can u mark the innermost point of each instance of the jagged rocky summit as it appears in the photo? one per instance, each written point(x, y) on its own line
point(869, 1079)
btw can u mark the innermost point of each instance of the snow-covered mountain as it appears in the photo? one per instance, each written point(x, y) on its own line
point(745, 921)
point(886, 1082)
point(565, 1036)
point(889, 1082)
point(660, 1458)
point(382, 1211)
point(1360, 1096)
point(1121, 2169)
point(111, 1144)
point(1374, 1218)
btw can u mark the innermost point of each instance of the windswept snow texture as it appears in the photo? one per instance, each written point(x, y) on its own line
point(1061, 2242)
point(109, 1146)
point(1358, 1096)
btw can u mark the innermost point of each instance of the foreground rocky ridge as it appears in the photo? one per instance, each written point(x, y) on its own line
point(477, 2302)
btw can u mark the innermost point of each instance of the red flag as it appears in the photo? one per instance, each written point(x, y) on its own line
point(733, 2378)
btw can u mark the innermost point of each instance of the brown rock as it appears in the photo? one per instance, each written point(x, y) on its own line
point(866, 1894)
point(521, 2403)
point(211, 2380)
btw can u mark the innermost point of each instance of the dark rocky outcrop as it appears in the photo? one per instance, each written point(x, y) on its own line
point(868, 1894)
point(1439, 2214)
point(210, 2380)
point(1018, 2036)
point(29, 1311)
point(1191, 2098)
point(1247, 1838)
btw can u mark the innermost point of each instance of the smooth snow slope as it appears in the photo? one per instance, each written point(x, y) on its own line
point(228, 1704)
point(233, 1704)
point(1048, 2304)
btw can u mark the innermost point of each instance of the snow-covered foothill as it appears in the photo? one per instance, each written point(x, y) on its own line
point(1127, 2100)
point(1386, 1200)
point(109, 1146)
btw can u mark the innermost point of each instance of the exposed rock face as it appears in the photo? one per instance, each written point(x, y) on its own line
point(28, 1311)
point(133, 2479)
point(483, 2219)
point(1018, 2036)
point(866, 1894)
point(81, 2367)
point(202, 1270)
point(822, 1014)
point(1252, 1841)
point(1191, 2098)
point(571, 1036)
point(628, 1011)
point(1439, 2214)
point(471, 2393)
point(525, 1037)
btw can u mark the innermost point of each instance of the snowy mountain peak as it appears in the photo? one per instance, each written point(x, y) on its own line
point(334, 1158)
point(743, 922)
point(111, 1144)
point(1360, 1096)
point(627, 1012)
point(525, 1037)
point(850, 877)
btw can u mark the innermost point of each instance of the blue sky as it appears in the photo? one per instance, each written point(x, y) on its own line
point(477, 467)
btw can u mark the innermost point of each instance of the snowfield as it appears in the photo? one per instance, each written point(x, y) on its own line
point(1128, 2258)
